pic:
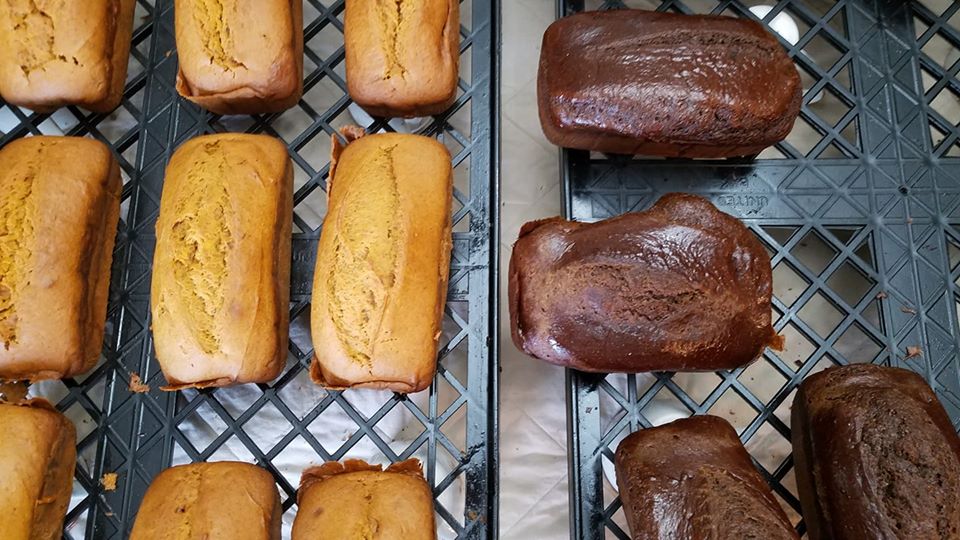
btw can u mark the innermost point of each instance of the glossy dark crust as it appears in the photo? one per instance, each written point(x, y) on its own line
point(692, 479)
point(680, 287)
point(642, 82)
point(875, 456)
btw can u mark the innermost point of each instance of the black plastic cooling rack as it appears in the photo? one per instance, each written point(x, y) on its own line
point(452, 427)
point(859, 209)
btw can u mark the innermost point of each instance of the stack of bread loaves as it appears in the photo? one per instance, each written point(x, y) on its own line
point(221, 267)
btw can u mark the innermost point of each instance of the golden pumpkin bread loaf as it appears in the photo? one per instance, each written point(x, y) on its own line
point(37, 457)
point(382, 266)
point(240, 56)
point(58, 222)
point(221, 270)
point(402, 56)
point(356, 500)
point(64, 53)
point(219, 501)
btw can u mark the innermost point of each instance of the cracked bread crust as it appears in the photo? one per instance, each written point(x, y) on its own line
point(57, 232)
point(876, 456)
point(402, 55)
point(383, 261)
point(692, 479)
point(221, 269)
point(224, 499)
point(37, 460)
point(54, 54)
point(240, 56)
point(354, 499)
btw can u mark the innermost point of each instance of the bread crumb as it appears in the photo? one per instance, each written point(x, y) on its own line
point(909, 310)
point(778, 343)
point(137, 386)
point(109, 481)
point(881, 295)
point(913, 352)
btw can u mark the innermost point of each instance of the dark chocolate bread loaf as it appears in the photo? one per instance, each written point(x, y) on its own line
point(643, 82)
point(679, 287)
point(692, 480)
point(875, 456)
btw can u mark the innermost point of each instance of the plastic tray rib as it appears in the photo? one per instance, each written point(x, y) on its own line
point(452, 427)
point(859, 209)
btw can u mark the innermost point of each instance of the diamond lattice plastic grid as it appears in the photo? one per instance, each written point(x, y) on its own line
point(859, 209)
point(285, 425)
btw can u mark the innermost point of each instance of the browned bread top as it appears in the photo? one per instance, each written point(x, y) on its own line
point(383, 263)
point(692, 479)
point(681, 286)
point(220, 500)
point(632, 81)
point(354, 499)
point(58, 222)
point(876, 456)
point(64, 53)
point(220, 284)
point(37, 459)
point(402, 56)
point(240, 56)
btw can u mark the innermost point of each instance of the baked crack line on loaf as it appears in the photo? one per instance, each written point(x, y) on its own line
point(38, 51)
point(391, 17)
point(217, 40)
point(364, 270)
point(202, 239)
point(16, 226)
point(189, 495)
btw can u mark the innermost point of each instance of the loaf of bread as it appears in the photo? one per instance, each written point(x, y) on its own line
point(356, 500)
point(402, 56)
point(37, 457)
point(240, 56)
point(383, 263)
point(664, 84)
point(222, 500)
point(58, 223)
point(691, 479)
point(221, 270)
point(54, 54)
point(875, 456)
point(679, 287)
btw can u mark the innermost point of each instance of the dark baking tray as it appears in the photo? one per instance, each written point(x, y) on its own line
point(860, 211)
point(136, 435)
